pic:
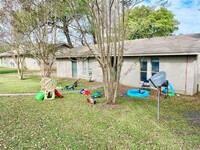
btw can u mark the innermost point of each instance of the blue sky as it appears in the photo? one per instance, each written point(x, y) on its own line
point(187, 12)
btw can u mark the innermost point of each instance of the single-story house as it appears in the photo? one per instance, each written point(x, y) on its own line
point(6, 60)
point(178, 56)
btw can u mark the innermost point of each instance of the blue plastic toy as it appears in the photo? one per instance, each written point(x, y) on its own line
point(96, 95)
point(137, 93)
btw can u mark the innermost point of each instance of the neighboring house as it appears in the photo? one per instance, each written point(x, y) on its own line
point(178, 56)
point(6, 60)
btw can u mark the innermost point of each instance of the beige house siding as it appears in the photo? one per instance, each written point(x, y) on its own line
point(130, 73)
point(93, 70)
point(181, 71)
point(198, 71)
point(31, 64)
point(64, 68)
point(7, 62)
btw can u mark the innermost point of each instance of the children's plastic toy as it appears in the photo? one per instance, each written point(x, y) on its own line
point(91, 101)
point(72, 87)
point(49, 87)
point(82, 91)
point(69, 87)
point(96, 95)
point(40, 95)
point(86, 92)
point(58, 94)
point(48, 90)
point(137, 93)
point(166, 91)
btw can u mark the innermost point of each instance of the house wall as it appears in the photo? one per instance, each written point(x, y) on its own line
point(64, 68)
point(31, 64)
point(130, 73)
point(93, 70)
point(198, 71)
point(7, 62)
point(180, 72)
point(96, 70)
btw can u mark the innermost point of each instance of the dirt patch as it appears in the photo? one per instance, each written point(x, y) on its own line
point(194, 118)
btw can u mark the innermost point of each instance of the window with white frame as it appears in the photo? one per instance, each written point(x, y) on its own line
point(143, 69)
point(148, 67)
point(85, 67)
point(154, 65)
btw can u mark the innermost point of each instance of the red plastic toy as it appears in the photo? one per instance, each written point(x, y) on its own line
point(86, 92)
point(58, 94)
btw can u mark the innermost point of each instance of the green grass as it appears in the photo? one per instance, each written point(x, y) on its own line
point(11, 84)
point(7, 70)
point(71, 123)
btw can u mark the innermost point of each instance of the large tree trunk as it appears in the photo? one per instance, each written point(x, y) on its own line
point(110, 84)
point(66, 32)
point(20, 66)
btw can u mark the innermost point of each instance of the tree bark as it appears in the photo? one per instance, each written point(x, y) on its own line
point(66, 32)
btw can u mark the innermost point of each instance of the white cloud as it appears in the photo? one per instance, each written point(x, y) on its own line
point(188, 15)
point(186, 12)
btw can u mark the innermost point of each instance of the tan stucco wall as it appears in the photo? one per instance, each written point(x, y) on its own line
point(96, 70)
point(198, 71)
point(8, 62)
point(31, 64)
point(64, 68)
point(130, 73)
point(181, 71)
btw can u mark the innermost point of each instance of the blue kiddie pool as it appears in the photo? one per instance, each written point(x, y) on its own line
point(137, 93)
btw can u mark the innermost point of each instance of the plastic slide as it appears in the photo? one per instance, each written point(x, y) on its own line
point(171, 93)
point(171, 89)
point(58, 94)
point(40, 96)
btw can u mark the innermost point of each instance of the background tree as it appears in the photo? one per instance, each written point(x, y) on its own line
point(11, 40)
point(145, 22)
point(32, 20)
point(107, 22)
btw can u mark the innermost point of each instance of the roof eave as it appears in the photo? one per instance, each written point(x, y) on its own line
point(161, 54)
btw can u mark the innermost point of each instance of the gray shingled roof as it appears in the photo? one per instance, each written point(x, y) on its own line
point(5, 54)
point(170, 45)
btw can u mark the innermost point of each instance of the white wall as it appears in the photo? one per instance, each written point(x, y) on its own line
point(198, 71)
point(180, 72)
point(130, 73)
point(8, 62)
point(31, 64)
point(64, 68)
point(96, 70)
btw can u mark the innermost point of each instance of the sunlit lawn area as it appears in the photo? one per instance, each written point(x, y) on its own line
point(7, 70)
point(71, 123)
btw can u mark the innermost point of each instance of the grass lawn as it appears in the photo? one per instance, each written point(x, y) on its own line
point(7, 70)
point(71, 123)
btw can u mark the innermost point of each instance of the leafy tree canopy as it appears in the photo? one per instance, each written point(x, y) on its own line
point(145, 22)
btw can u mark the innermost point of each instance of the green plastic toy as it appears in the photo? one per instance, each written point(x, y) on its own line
point(40, 96)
